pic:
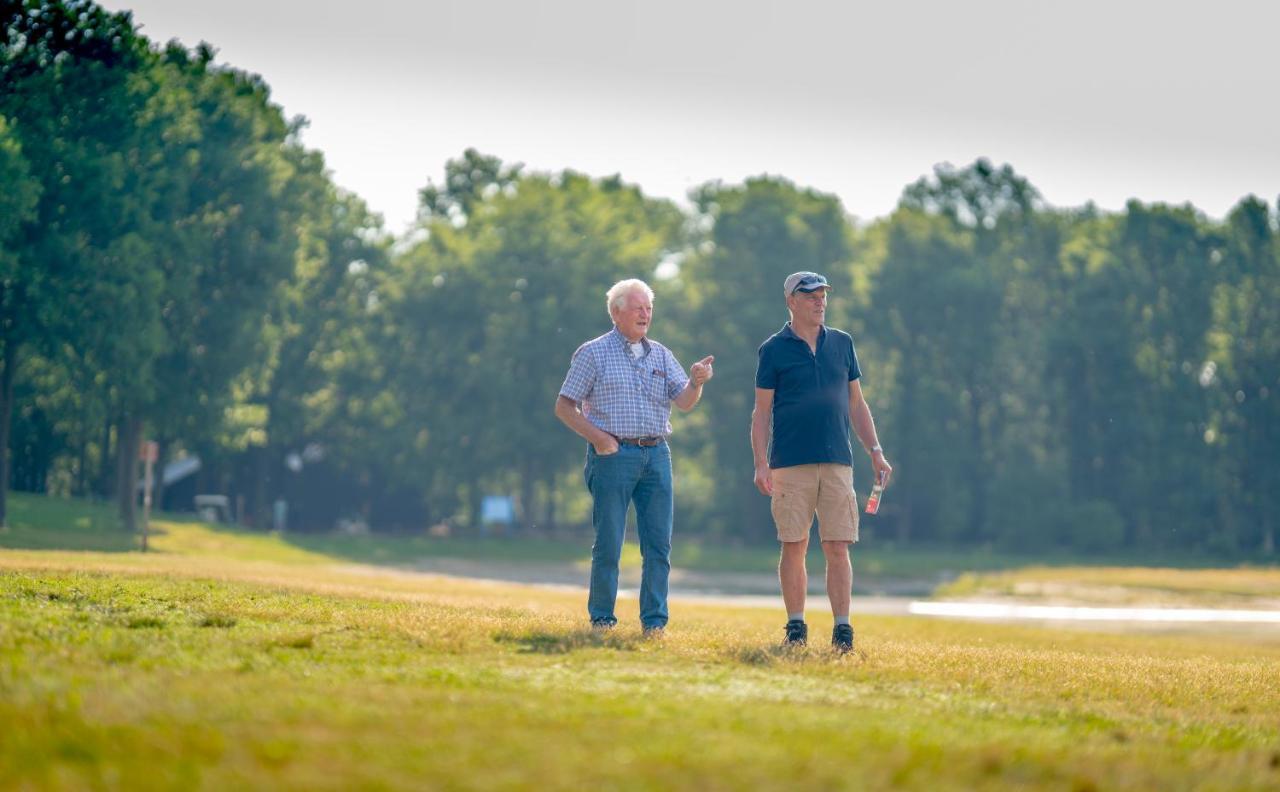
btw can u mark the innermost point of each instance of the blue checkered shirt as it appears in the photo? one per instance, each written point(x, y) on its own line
point(621, 394)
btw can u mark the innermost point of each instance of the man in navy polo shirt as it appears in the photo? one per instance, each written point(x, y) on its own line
point(808, 396)
point(618, 396)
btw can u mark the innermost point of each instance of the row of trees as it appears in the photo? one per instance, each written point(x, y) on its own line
point(176, 263)
point(166, 251)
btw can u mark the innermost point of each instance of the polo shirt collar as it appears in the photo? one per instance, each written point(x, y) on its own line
point(787, 332)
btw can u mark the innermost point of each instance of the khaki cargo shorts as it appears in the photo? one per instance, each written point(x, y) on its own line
point(827, 489)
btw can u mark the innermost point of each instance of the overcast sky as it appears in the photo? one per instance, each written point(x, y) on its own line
point(1101, 101)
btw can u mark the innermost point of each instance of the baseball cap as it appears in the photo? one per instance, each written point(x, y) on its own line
point(804, 282)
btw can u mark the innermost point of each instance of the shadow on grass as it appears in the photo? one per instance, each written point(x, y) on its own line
point(766, 656)
point(553, 642)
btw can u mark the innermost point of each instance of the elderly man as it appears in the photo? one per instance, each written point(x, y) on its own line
point(618, 396)
point(808, 393)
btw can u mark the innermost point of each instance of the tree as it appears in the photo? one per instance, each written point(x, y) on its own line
point(989, 216)
point(230, 184)
point(18, 196)
point(926, 261)
point(1243, 373)
point(754, 235)
point(324, 380)
point(69, 69)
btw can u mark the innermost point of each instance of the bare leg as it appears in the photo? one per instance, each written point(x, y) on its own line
point(793, 576)
point(839, 577)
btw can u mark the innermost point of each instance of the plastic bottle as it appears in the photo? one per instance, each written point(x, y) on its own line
point(873, 500)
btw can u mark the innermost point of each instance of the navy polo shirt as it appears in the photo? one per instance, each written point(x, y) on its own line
point(810, 396)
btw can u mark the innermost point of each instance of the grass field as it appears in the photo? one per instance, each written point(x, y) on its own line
point(233, 660)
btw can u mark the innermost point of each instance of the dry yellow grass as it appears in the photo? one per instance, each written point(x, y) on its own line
point(228, 661)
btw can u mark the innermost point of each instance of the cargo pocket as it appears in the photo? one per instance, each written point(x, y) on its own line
point(789, 516)
point(777, 502)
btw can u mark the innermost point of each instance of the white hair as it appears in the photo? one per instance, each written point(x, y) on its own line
point(617, 294)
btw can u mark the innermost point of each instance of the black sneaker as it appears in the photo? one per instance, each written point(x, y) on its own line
point(797, 633)
point(842, 638)
point(655, 632)
point(604, 623)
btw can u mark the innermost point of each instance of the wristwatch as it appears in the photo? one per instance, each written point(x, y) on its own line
point(874, 449)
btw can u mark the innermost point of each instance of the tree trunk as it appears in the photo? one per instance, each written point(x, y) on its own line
point(475, 501)
point(106, 461)
point(157, 477)
point(262, 507)
point(978, 471)
point(128, 438)
point(549, 481)
point(82, 462)
point(6, 413)
point(526, 495)
point(904, 448)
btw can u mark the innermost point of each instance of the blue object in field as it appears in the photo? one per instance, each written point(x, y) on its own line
point(497, 509)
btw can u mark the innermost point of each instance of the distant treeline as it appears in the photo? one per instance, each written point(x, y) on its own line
point(175, 265)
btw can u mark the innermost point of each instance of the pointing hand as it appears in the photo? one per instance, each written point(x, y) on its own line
point(701, 371)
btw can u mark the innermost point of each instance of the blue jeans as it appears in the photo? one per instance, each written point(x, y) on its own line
point(642, 475)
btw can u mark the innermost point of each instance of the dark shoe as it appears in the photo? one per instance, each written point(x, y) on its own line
point(842, 638)
point(797, 633)
point(603, 624)
point(656, 632)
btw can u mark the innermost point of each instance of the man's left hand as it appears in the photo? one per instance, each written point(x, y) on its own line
point(701, 371)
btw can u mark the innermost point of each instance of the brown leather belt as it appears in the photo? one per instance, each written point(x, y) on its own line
point(644, 442)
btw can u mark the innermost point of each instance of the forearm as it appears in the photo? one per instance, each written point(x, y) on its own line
point(864, 426)
point(689, 396)
point(569, 414)
point(760, 438)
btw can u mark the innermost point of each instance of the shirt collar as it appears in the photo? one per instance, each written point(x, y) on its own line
point(624, 344)
point(787, 332)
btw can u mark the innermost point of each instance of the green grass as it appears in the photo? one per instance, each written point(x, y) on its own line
point(230, 659)
point(40, 523)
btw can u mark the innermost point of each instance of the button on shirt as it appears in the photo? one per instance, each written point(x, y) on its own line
point(810, 396)
point(624, 395)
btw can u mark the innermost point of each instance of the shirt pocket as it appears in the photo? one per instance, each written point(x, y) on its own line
point(656, 385)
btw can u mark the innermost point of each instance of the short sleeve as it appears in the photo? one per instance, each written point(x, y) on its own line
point(677, 380)
point(766, 372)
point(854, 371)
point(581, 378)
